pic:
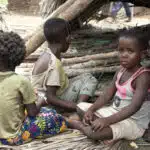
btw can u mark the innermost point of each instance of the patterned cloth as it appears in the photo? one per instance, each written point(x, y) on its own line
point(46, 123)
point(84, 84)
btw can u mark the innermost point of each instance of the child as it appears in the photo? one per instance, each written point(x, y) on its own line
point(118, 5)
point(49, 77)
point(16, 95)
point(129, 115)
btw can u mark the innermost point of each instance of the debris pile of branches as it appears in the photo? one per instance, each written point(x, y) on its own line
point(92, 52)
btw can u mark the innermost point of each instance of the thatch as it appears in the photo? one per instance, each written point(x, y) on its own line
point(74, 140)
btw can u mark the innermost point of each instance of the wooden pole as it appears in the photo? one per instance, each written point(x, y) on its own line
point(68, 11)
point(70, 61)
point(76, 72)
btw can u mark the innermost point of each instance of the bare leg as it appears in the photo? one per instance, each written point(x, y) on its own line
point(104, 134)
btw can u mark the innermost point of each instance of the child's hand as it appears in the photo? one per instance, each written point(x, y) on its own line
point(99, 124)
point(88, 117)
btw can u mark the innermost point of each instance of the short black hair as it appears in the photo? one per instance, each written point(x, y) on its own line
point(56, 29)
point(12, 49)
point(141, 34)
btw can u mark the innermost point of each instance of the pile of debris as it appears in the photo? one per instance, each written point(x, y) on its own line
point(90, 51)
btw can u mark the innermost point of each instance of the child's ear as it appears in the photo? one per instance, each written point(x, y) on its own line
point(148, 53)
point(143, 54)
point(68, 39)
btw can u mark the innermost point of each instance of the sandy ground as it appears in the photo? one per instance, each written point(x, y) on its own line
point(24, 24)
point(108, 23)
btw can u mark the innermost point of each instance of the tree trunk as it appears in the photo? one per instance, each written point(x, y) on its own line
point(93, 63)
point(69, 7)
point(49, 6)
point(69, 11)
point(76, 72)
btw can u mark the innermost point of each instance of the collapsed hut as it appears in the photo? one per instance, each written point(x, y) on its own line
point(99, 58)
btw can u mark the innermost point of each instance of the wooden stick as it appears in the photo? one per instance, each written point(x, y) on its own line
point(92, 63)
point(76, 8)
point(70, 61)
point(75, 72)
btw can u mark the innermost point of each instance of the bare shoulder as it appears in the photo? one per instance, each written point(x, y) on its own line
point(116, 74)
point(41, 64)
point(143, 80)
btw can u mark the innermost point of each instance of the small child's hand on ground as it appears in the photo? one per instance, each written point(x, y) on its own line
point(99, 124)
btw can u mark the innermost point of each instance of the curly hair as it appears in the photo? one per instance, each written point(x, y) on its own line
point(12, 49)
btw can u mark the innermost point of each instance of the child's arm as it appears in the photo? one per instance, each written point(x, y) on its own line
point(32, 109)
point(101, 101)
point(52, 99)
point(142, 85)
point(28, 97)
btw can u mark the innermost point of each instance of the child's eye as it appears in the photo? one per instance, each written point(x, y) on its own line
point(120, 50)
point(130, 51)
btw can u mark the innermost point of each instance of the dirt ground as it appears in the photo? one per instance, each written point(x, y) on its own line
point(24, 24)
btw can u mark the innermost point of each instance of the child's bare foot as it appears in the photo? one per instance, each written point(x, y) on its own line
point(74, 124)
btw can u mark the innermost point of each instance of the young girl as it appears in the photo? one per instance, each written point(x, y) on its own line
point(16, 95)
point(129, 115)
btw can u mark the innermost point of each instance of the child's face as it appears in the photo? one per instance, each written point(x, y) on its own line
point(129, 52)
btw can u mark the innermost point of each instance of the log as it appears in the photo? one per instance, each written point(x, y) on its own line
point(75, 54)
point(76, 7)
point(73, 72)
point(96, 33)
point(49, 6)
point(93, 63)
point(91, 51)
point(93, 8)
point(89, 57)
point(59, 10)
point(69, 11)
point(33, 57)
